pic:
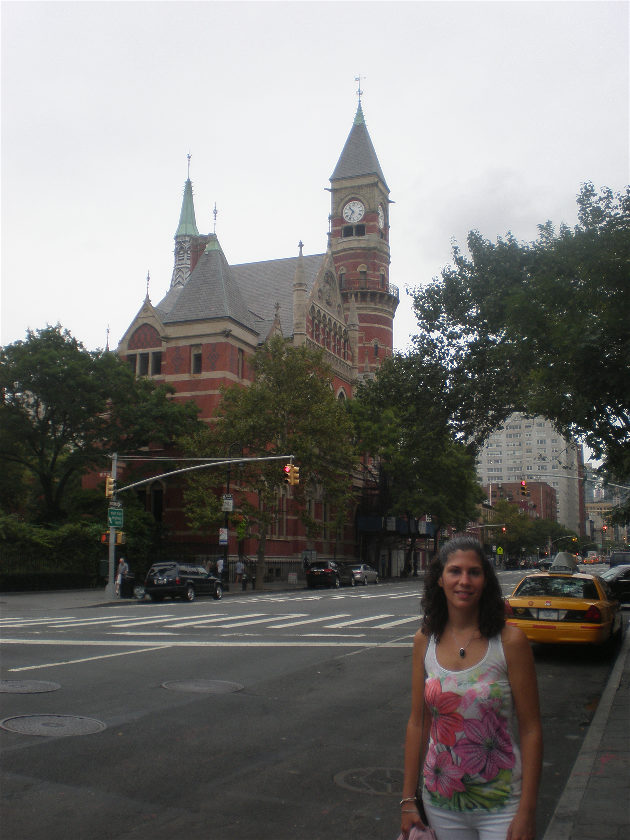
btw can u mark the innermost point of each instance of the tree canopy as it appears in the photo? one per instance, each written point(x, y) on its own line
point(64, 409)
point(542, 327)
point(407, 418)
point(289, 409)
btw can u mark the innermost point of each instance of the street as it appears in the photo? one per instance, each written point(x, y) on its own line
point(267, 715)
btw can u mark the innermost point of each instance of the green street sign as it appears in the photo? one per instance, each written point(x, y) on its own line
point(115, 517)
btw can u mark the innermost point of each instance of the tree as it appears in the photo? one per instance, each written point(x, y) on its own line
point(542, 327)
point(289, 409)
point(407, 419)
point(63, 409)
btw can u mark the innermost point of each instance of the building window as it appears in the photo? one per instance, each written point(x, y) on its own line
point(156, 363)
point(143, 364)
point(131, 361)
point(347, 230)
point(240, 363)
point(195, 359)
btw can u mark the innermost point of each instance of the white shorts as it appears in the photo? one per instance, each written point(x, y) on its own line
point(470, 825)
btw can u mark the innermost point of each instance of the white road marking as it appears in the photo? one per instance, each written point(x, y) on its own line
point(306, 621)
point(85, 659)
point(195, 622)
point(258, 621)
point(357, 621)
point(395, 623)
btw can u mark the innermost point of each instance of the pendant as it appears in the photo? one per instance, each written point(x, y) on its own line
point(462, 652)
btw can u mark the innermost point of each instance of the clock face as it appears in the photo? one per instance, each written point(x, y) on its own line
point(381, 216)
point(353, 211)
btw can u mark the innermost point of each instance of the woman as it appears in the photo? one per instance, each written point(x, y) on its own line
point(480, 783)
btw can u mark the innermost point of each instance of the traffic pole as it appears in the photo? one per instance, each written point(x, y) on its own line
point(111, 579)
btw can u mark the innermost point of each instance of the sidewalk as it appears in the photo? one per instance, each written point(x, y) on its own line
point(595, 804)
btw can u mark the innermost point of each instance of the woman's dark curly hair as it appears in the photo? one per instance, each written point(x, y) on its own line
point(434, 607)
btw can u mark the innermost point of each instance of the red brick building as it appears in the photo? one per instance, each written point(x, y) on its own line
point(214, 315)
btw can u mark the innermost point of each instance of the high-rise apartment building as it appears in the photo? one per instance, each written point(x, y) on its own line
point(531, 449)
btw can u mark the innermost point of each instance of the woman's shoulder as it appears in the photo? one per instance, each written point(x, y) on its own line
point(421, 641)
point(515, 642)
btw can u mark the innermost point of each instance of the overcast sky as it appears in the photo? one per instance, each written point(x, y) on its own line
point(484, 116)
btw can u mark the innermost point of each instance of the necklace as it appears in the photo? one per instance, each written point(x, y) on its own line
point(462, 650)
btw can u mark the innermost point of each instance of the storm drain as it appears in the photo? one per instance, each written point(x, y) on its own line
point(52, 725)
point(27, 686)
point(378, 781)
point(204, 686)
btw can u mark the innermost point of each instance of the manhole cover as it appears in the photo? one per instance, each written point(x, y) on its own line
point(52, 725)
point(379, 781)
point(204, 686)
point(27, 686)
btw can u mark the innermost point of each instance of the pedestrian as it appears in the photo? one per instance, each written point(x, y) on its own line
point(121, 571)
point(220, 568)
point(471, 676)
point(240, 568)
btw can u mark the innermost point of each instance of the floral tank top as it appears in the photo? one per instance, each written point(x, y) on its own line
point(472, 760)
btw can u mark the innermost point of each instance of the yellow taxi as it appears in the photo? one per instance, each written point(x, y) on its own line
point(564, 608)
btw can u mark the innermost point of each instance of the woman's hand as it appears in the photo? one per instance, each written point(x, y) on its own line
point(409, 817)
point(522, 827)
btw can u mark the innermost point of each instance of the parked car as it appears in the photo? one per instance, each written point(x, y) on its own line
point(619, 558)
point(181, 580)
point(323, 573)
point(353, 573)
point(618, 580)
point(564, 608)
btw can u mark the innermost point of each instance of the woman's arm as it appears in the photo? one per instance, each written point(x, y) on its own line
point(522, 676)
point(415, 739)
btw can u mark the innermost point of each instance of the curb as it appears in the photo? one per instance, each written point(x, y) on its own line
point(562, 823)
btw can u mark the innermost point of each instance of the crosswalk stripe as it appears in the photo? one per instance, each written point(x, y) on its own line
point(215, 620)
point(257, 621)
point(395, 623)
point(357, 621)
point(306, 621)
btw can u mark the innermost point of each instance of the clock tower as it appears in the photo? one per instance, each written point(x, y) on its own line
point(359, 243)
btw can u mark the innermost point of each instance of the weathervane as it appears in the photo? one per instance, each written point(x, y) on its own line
point(214, 213)
point(107, 339)
point(359, 91)
point(148, 281)
point(189, 157)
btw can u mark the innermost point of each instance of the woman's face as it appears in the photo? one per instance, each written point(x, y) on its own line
point(462, 579)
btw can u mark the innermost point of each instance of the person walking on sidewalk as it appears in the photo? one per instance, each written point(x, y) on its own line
point(121, 571)
point(471, 676)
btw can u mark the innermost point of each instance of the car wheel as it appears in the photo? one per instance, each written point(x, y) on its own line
point(190, 592)
point(218, 592)
point(139, 593)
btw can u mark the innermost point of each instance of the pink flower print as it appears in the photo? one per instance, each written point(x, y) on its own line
point(486, 747)
point(447, 721)
point(442, 775)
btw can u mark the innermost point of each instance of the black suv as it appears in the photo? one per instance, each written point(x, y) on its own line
point(181, 580)
point(323, 573)
point(619, 558)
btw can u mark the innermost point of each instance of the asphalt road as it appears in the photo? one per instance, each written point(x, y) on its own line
point(267, 716)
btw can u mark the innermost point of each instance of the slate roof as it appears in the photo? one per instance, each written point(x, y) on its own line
point(210, 292)
point(358, 156)
point(263, 284)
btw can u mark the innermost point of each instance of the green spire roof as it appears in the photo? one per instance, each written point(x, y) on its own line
point(358, 156)
point(187, 224)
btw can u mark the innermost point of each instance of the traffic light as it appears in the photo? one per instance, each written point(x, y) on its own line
point(524, 490)
point(288, 473)
point(503, 530)
point(295, 475)
point(110, 486)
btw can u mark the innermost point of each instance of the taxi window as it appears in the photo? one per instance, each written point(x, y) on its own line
point(558, 587)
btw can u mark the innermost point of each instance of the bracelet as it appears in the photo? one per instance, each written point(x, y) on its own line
point(407, 799)
point(409, 811)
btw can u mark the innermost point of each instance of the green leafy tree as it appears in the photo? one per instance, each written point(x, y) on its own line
point(542, 327)
point(64, 408)
point(407, 419)
point(289, 409)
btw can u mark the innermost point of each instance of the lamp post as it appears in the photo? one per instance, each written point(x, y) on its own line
point(227, 507)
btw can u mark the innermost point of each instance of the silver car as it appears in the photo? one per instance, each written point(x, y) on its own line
point(355, 573)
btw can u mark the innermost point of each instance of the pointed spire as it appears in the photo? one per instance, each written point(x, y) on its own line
point(358, 156)
point(187, 223)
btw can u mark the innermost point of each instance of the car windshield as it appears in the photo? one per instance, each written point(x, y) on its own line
point(320, 565)
point(557, 587)
point(162, 570)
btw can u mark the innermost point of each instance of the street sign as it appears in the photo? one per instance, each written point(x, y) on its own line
point(115, 517)
point(499, 550)
point(114, 503)
point(228, 503)
point(223, 536)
